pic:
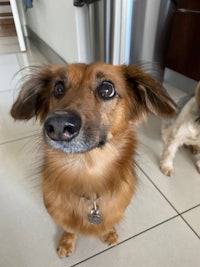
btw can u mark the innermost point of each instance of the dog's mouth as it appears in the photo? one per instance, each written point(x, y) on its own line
point(75, 145)
point(101, 143)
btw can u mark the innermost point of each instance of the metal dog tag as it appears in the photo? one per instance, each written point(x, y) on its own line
point(94, 217)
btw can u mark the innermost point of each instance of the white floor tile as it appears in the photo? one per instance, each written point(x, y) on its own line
point(9, 45)
point(7, 74)
point(11, 64)
point(147, 209)
point(7, 59)
point(170, 244)
point(193, 218)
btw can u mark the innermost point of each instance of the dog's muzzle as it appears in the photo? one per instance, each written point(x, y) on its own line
point(62, 125)
point(64, 131)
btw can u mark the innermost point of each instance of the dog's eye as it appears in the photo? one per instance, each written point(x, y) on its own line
point(106, 90)
point(59, 90)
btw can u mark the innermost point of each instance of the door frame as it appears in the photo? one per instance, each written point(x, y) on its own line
point(18, 26)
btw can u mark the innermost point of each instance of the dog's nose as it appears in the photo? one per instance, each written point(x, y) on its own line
point(62, 125)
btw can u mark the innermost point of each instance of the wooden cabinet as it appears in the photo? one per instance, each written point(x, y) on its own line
point(184, 48)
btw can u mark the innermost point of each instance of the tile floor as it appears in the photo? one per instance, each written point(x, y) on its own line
point(161, 226)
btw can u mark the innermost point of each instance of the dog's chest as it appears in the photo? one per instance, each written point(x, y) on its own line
point(86, 204)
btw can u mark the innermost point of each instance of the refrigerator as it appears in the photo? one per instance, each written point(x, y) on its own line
point(127, 31)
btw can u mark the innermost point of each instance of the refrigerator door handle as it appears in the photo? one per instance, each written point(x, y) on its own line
point(188, 11)
point(81, 3)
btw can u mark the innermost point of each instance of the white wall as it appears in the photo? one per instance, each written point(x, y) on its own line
point(55, 23)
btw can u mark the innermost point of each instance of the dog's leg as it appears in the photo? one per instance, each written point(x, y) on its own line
point(67, 244)
point(194, 149)
point(110, 237)
point(169, 150)
point(198, 163)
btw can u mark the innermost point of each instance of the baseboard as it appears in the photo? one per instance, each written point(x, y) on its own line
point(45, 49)
point(180, 81)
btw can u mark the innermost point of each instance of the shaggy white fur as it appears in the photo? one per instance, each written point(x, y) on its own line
point(182, 130)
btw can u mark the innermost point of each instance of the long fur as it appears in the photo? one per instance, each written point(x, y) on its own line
point(182, 130)
point(98, 164)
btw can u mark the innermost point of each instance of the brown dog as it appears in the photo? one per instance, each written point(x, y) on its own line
point(88, 114)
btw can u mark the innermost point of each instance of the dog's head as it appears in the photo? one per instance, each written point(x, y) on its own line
point(83, 106)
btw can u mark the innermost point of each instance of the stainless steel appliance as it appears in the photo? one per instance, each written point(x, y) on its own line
point(130, 31)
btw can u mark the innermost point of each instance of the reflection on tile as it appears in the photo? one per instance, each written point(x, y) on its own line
point(9, 45)
point(31, 58)
point(8, 72)
point(8, 59)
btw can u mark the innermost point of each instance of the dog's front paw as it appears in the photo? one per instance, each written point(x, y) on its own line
point(110, 237)
point(66, 245)
point(166, 169)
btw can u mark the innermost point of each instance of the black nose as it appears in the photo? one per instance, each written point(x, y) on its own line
point(62, 125)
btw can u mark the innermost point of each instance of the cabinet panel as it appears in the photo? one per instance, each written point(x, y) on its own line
point(184, 49)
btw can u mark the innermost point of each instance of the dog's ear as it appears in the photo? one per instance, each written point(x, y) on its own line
point(33, 96)
point(147, 94)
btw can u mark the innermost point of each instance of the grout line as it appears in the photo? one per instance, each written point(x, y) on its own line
point(128, 239)
point(179, 213)
point(157, 188)
point(148, 229)
point(198, 205)
point(189, 226)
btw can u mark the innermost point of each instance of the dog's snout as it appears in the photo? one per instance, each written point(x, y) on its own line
point(62, 125)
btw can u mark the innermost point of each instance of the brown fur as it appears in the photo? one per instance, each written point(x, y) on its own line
point(72, 181)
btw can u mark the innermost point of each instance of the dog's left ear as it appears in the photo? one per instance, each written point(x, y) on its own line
point(34, 94)
point(147, 94)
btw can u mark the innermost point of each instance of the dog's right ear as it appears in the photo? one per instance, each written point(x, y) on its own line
point(33, 96)
point(147, 94)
